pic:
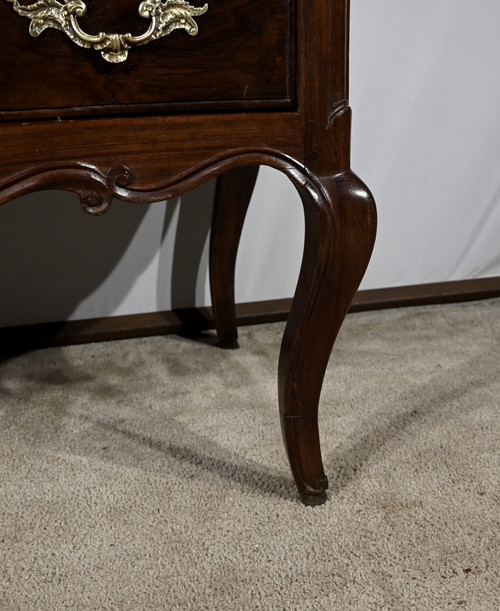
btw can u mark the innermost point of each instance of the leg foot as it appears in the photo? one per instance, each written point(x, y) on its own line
point(300, 435)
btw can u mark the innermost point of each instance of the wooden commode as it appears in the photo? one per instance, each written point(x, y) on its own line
point(143, 101)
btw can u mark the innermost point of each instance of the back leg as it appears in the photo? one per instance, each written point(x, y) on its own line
point(232, 197)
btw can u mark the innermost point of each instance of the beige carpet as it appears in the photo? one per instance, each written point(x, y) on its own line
point(150, 474)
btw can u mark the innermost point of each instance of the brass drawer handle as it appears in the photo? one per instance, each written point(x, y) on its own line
point(165, 16)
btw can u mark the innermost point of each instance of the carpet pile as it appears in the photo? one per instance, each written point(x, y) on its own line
point(150, 473)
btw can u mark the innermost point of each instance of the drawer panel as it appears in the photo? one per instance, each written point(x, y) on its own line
point(242, 57)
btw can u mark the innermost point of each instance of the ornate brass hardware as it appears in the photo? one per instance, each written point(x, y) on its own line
point(165, 16)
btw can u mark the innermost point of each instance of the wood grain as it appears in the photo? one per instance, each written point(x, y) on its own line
point(242, 57)
point(253, 57)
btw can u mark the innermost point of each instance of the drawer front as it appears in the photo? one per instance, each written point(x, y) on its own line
point(242, 57)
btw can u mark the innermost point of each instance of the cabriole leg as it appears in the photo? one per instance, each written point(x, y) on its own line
point(340, 226)
point(232, 197)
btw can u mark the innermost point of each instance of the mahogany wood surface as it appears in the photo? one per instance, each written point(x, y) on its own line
point(298, 53)
point(232, 198)
point(243, 57)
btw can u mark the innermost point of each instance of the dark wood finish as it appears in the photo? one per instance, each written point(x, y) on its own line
point(241, 58)
point(232, 198)
point(150, 157)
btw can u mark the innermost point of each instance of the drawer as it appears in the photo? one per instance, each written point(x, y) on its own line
point(243, 57)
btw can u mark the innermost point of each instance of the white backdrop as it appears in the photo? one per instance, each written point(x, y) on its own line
point(425, 94)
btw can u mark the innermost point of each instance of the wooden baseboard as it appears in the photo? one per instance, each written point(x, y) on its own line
point(427, 294)
point(19, 339)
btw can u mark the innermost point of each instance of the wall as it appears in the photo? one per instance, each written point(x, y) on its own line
point(426, 139)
